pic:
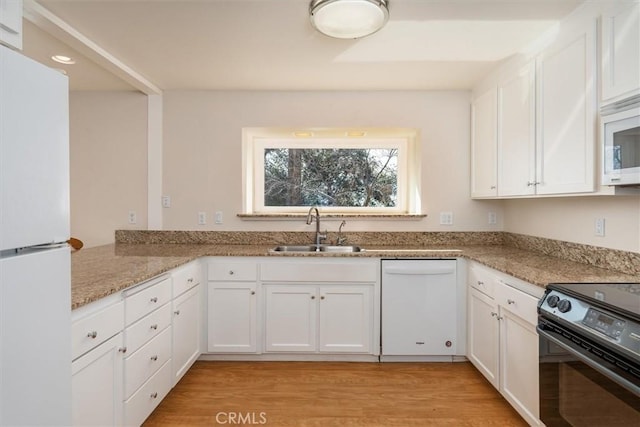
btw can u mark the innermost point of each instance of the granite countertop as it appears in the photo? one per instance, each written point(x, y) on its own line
point(104, 270)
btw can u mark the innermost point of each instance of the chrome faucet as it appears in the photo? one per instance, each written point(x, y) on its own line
point(341, 239)
point(319, 236)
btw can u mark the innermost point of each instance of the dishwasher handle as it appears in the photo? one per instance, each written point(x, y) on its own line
point(424, 271)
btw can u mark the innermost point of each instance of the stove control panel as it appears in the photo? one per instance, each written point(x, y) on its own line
point(605, 323)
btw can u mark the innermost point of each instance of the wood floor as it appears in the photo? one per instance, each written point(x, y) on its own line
point(331, 394)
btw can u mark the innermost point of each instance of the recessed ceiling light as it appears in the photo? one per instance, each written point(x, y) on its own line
point(62, 59)
point(303, 134)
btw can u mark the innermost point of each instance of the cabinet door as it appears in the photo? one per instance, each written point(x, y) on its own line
point(516, 133)
point(567, 114)
point(346, 322)
point(519, 365)
point(621, 52)
point(290, 318)
point(11, 23)
point(186, 332)
point(232, 317)
point(97, 386)
point(482, 335)
point(484, 112)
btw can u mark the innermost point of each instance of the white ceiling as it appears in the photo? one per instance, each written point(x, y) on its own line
point(270, 44)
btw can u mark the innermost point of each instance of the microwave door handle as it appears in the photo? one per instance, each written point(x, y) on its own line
point(592, 363)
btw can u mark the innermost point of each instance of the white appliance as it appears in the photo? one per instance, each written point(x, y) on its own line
point(621, 146)
point(35, 274)
point(419, 309)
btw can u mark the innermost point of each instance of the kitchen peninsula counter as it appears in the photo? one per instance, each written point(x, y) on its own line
point(104, 270)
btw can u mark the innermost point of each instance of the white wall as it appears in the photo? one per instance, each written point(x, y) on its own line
point(572, 219)
point(202, 169)
point(108, 145)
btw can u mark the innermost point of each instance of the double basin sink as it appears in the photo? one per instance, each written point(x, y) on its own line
point(317, 248)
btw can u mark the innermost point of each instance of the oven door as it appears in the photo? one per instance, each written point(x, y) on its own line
point(582, 384)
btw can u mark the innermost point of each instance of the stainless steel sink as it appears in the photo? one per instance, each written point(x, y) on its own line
point(315, 248)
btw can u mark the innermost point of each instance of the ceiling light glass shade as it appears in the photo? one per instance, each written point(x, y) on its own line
point(348, 19)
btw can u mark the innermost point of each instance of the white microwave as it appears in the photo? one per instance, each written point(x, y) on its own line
point(620, 136)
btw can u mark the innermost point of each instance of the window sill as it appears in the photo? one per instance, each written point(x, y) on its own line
point(302, 216)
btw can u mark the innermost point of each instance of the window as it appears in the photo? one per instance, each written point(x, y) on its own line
point(364, 171)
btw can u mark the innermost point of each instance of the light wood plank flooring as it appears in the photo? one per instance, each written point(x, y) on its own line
point(331, 394)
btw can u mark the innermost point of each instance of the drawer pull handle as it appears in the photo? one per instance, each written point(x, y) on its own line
point(510, 301)
point(154, 395)
point(177, 312)
point(190, 280)
point(92, 334)
point(154, 299)
point(122, 349)
point(154, 358)
point(154, 327)
point(231, 273)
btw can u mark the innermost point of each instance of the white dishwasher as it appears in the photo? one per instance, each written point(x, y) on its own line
point(419, 308)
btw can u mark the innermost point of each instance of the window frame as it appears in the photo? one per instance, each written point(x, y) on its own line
point(255, 140)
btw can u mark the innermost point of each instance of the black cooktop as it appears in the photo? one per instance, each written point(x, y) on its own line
point(623, 298)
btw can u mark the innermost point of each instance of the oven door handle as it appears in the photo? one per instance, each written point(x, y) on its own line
point(579, 353)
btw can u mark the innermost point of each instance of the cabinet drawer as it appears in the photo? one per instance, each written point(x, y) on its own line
point(186, 278)
point(482, 279)
point(518, 302)
point(139, 406)
point(233, 271)
point(319, 272)
point(139, 303)
point(96, 328)
point(147, 327)
point(142, 364)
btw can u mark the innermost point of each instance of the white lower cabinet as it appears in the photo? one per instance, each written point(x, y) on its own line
point(186, 331)
point(96, 385)
point(306, 318)
point(502, 341)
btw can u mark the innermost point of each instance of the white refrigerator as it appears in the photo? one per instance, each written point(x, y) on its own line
point(35, 274)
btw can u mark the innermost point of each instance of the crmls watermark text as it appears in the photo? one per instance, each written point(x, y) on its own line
point(244, 418)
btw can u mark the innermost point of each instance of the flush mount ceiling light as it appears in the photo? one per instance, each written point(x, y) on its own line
point(348, 19)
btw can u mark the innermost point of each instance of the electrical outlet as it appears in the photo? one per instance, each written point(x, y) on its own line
point(492, 218)
point(166, 201)
point(218, 217)
point(446, 218)
point(599, 227)
point(133, 218)
point(202, 218)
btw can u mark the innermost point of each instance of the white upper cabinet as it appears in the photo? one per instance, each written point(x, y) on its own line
point(11, 23)
point(516, 132)
point(567, 113)
point(620, 62)
point(484, 110)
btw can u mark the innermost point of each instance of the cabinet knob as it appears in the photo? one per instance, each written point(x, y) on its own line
point(154, 358)
point(190, 280)
point(154, 395)
point(494, 314)
point(154, 299)
point(500, 317)
point(92, 334)
point(493, 187)
point(154, 327)
point(322, 297)
point(231, 273)
point(177, 312)
point(122, 350)
point(313, 297)
point(253, 292)
point(480, 283)
point(510, 301)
